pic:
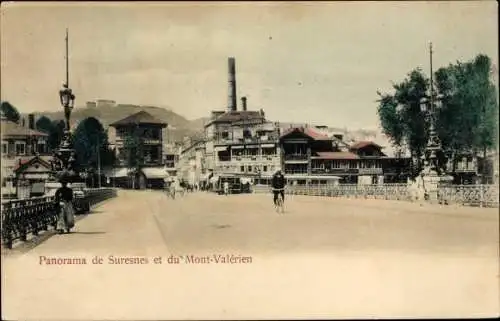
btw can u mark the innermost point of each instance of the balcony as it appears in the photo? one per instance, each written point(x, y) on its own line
point(270, 139)
point(296, 157)
point(335, 171)
point(464, 168)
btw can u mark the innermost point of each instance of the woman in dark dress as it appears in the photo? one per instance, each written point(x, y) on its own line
point(64, 206)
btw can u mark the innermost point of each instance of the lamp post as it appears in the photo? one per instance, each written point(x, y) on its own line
point(65, 156)
point(432, 173)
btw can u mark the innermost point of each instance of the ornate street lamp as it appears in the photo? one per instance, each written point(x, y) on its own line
point(65, 157)
point(432, 172)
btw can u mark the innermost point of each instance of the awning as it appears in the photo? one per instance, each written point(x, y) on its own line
point(316, 177)
point(155, 172)
point(116, 172)
point(245, 180)
point(267, 145)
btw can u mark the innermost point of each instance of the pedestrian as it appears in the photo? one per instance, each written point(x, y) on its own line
point(64, 207)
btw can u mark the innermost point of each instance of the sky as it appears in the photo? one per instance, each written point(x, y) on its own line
point(321, 63)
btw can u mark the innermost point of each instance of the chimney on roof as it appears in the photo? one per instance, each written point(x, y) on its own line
point(244, 103)
point(232, 85)
point(31, 121)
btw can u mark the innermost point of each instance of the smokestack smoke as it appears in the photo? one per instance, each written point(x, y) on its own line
point(232, 85)
point(244, 103)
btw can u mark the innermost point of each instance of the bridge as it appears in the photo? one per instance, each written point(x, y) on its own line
point(142, 255)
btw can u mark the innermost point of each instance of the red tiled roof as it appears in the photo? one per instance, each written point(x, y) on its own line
point(337, 155)
point(141, 117)
point(10, 128)
point(363, 144)
point(21, 163)
point(306, 131)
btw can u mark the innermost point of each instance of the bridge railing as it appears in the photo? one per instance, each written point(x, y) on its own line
point(469, 195)
point(21, 218)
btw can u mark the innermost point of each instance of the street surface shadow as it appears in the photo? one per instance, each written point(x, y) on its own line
point(221, 226)
point(89, 233)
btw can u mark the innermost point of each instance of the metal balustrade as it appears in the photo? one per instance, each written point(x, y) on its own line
point(21, 218)
point(467, 195)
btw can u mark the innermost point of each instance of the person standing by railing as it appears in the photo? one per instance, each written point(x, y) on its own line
point(64, 206)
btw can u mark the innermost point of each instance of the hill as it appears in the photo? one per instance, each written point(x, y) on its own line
point(178, 126)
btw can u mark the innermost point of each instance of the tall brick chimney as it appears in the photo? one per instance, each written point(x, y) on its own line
point(231, 105)
point(244, 103)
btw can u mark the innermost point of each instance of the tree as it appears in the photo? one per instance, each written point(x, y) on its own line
point(44, 124)
point(90, 142)
point(10, 112)
point(465, 122)
point(400, 114)
point(54, 128)
point(134, 151)
point(56, 134)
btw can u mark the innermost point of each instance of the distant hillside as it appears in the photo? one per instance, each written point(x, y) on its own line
point(178, 125)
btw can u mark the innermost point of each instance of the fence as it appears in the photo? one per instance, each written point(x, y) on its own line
point(33, 215)
point(470, 195)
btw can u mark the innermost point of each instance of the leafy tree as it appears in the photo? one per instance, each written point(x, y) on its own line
point(401, 116)
point(56, 133)
point(44, 124)
point(90, 142)
point(10, 112)
point(466, 120)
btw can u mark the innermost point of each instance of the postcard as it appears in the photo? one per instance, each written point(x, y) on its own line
point(249, 160)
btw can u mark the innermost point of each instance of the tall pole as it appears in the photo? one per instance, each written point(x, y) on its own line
point(67, 58)
point(65, 157)
point(432, 84)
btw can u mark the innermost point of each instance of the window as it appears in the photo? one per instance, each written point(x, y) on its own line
point(20, 148)
point(247, 133)
point(41, 147)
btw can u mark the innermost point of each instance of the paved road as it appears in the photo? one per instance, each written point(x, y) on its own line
point(323, 258)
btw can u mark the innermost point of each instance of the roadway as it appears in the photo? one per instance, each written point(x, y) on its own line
point(327, 258)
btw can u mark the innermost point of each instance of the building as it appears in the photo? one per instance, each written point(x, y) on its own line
point(191, 165)
point(25, 159)
point(149, 130)
point(309, 156)
point(242, 143)
point(171, 154)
